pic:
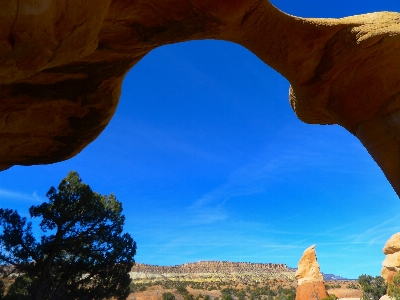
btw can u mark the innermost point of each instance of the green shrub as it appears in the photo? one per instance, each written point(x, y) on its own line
point(168, 296)
point(352, 286)
point(181, 289)
point(331, 297)
point(373, 287)
point(227, 297)
point(188, 297)
point(241, 295)
point(394, 288)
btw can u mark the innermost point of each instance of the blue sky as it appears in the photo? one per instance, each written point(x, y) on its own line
point(211, 163)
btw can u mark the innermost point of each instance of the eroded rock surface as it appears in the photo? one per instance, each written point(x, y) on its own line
point(391, 264)
point(214, 270)
point(310, 281)
point(62, 64)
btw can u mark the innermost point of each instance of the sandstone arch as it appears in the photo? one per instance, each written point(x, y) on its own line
point(62, 65)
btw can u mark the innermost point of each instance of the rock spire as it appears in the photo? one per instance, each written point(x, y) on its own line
point(310, 282)
point(391, 264)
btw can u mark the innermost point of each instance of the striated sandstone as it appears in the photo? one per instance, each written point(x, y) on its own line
point(310, 281)
point(62, 64)
point(209, 270)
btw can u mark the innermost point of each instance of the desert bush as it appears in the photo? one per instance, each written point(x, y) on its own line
point(227, 297)
point(138, 287)
point(227, 291)
point(352, 286)
point(168, 296)
point(333, 286)
point(241, 295)
point(188, 297)
point(285, 294)
point(373, 287)
point(181, 289)
point(331, 297)
point(394, 288)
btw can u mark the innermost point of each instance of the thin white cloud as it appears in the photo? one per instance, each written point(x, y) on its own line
point(378, 231)
point(361, 266)
point(167, 140)
point(15, 195)
point(255, 177)
point(250, 179)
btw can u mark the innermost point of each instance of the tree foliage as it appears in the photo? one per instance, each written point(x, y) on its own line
point(168, 296)
point(82, 253)
point(181, 289)
point(373, 287)
point(394, 288)
point(2, 289)
point(331, 297)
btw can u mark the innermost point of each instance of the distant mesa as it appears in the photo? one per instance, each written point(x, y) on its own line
point(214, 279)
point(221, 270)
point(328, 277)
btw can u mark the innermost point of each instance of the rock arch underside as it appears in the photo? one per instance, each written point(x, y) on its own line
point(62, 64)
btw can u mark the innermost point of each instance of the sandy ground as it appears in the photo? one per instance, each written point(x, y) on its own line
point(348, 294)
point(155, 293)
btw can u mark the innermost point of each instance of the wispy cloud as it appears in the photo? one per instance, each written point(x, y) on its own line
point(166, 139)
point(378, 233)
point(15, 195)
point(360, 266)
point(255, 177)
point(221, 244)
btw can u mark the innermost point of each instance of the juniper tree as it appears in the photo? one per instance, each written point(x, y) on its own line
point(82, 253)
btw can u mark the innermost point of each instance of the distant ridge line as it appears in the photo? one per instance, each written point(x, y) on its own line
point(212, 267)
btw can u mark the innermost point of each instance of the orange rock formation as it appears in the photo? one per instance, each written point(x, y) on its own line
point(62, 64)
point(310, 282)
point(391, 264)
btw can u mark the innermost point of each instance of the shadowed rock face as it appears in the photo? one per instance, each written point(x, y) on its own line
point(62, 64)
